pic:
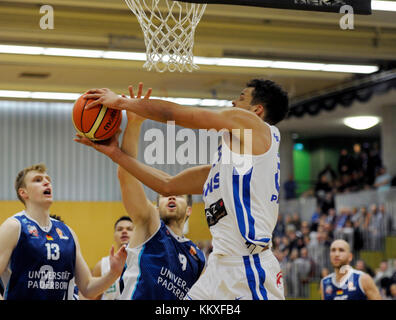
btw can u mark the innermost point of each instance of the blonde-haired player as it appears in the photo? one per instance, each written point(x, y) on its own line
point(40, 257)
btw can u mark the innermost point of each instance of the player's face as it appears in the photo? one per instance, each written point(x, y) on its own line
point(172, 207)
point(244, 100)
point(123, 232)
point(340, 254)
point(38, 187)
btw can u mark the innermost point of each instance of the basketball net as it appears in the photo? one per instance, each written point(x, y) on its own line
point(168, 27)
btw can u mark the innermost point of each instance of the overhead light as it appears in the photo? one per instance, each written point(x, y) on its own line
point(361, 122)
point(66, 96)
point(383, 5)
point(215, 61)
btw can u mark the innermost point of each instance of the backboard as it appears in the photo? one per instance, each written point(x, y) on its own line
point(359, 6)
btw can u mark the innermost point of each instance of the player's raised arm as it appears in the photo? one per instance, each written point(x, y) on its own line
point(164, 111)
point(91, 286)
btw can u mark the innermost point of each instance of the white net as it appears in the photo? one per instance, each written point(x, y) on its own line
point(168, 27)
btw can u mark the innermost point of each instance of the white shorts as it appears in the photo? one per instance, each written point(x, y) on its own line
point(253, 277)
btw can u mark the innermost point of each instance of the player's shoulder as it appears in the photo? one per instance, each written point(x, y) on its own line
point(328, 278)
point(14, 221)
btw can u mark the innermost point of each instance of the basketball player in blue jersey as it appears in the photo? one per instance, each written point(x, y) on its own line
point(162, 264)
point(240, 188)
point(40, 257)
point(346, 283)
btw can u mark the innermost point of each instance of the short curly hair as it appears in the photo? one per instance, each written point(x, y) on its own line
point(274, 99)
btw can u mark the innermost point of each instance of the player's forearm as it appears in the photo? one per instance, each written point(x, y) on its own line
point(151, 177)
point(130, 140)
point(97, 285)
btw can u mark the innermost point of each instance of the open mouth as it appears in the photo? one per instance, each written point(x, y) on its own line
point(47, 192)
point(171, 205)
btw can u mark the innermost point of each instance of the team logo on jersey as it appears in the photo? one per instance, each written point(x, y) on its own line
point(339, 292)
point(279, 279)
point(215, 212)
point(61, 235)
point(329, 290)
point(32, 231)
point(49, 237)
point(193, 252)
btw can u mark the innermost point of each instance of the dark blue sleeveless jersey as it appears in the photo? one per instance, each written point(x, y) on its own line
point(163, 268)
point(42, 264)
point(350, 289)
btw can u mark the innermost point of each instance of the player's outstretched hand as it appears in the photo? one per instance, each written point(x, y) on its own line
point(117, 261)
point(103, 96)
point(107, 147)
point(131, 115)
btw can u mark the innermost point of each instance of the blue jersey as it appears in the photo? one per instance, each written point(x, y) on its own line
point(42, 264)
point(163, 268)
point(348, 289)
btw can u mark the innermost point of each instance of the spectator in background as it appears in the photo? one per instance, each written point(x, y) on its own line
point(357, 158)
point(280, 228)
point(324, 273)
point(382, 183)
point(330, 174)
point(305, 267)
point(290, 187)
point(361, 266)
point(295, 220)
point(374, 162)
point(382, 279)
point(376, 228)
point(315, 218)
point(344, 163)
point(393, 291)
point(291, 235)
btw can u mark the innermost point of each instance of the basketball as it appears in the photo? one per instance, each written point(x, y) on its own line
point(98, 123)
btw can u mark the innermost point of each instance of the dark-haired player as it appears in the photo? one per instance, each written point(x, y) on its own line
point(240, 188)
point(123, 228)
point(346, 283)
point(162, 264)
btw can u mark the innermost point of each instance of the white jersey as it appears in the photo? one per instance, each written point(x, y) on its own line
point(242, 201)
point(113, 292)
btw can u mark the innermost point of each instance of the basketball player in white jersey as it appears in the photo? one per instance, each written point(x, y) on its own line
point(241, 202)
point(40, 257)
point(123, 228)
point(162, 264)
point(346, 283)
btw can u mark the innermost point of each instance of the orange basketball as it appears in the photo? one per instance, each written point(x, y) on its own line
point(98, 123)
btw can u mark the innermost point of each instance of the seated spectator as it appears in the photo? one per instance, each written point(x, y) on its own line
point(290, 187)
point(295, 220)
point(279, 230)
point(315, 219)
point(361, 266)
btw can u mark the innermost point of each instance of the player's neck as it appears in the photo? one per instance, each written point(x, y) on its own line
point(38, 213)
point(341, 272)
point(176, 227)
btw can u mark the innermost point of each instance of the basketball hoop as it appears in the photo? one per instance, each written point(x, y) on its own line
point(168, 27)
